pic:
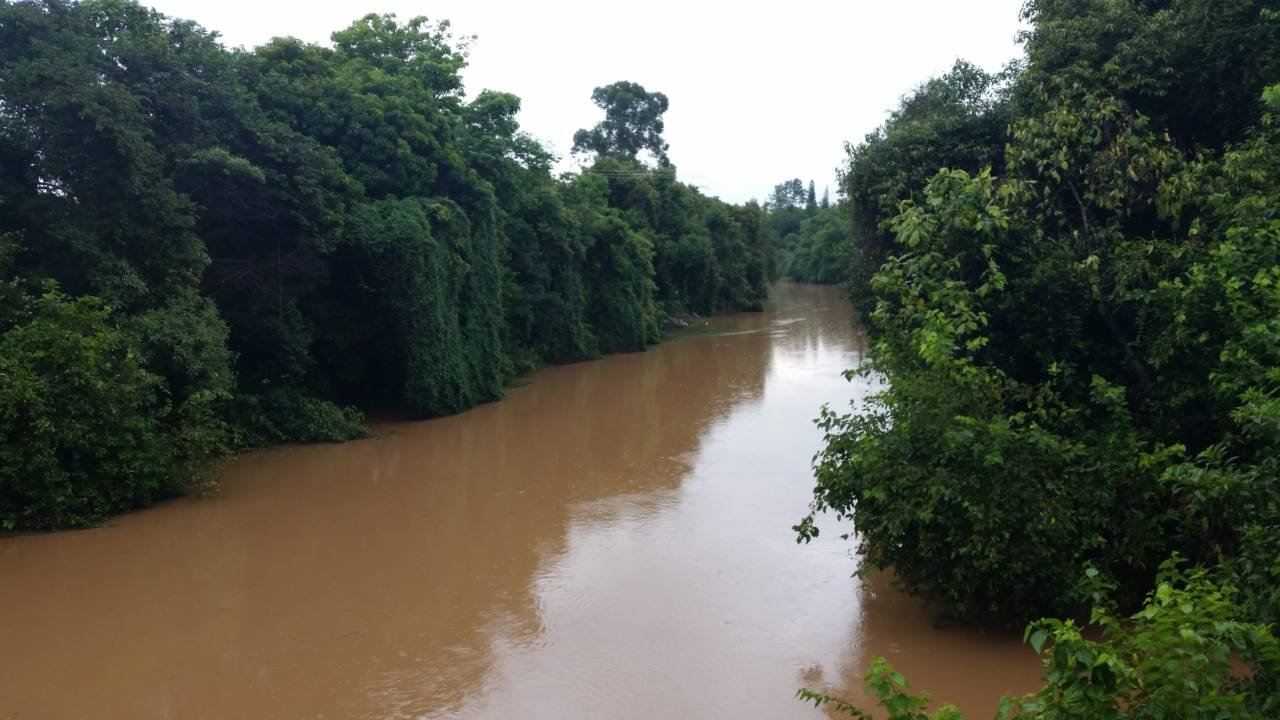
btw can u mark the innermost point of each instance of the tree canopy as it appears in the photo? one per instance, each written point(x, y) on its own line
point(632, 123)
point(204, 249)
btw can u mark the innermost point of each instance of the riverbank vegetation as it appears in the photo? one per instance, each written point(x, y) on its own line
point(812, 234)
point(205, 249)
point(1071, 272)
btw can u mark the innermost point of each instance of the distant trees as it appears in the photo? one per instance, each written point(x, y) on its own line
point(703, 255)
point(789, 194)
point(202, 250)
point(818, 250)
point(813, 239)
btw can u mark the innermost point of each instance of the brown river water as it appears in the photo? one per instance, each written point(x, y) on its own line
point(612, 540)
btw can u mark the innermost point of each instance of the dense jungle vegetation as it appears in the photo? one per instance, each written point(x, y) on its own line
point(812, 235)
point(205, 249)
point(1071, 273)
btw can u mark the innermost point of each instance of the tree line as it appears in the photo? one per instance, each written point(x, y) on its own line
point(1071, 273)
point(812, 234)
point(206, 249)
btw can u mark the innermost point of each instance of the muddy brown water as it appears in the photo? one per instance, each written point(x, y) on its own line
point(612, 540)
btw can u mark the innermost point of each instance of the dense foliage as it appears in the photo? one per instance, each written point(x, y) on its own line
point(203, 249)
point(1078, 316)
point(958, 121)
point(818, 251)
point(812, 235)
point(83, 420)
point(1072, 275)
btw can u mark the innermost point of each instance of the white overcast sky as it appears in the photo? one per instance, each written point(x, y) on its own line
point(760, 92)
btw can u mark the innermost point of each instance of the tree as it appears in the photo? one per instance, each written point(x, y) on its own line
point(632, 123)
point(99, 101)
point(80, 419)
point(811, 200)
point(417, 275)
point(958, 120)
point(1196, 68)
point(789, 194)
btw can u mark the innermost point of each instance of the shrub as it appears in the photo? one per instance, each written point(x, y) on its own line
point(290, 415)
point(1185, 655)
point(80, 420)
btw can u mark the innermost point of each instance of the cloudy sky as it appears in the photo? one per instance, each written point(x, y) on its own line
point(759, 92)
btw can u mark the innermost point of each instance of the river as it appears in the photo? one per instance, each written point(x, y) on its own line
point(612, 540)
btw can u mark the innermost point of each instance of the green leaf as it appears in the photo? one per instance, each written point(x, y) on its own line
point(1038, 639)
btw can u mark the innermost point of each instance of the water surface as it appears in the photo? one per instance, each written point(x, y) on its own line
point(612, 540)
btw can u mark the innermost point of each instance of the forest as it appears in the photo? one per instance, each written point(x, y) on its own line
point(205, 250)
point(1070, 270)
point(811, 235)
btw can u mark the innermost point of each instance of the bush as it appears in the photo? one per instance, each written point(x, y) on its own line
point(286, 415)
point(80, 420)
point(1185, 655)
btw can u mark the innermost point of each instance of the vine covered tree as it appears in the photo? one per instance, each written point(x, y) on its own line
point(236, 249)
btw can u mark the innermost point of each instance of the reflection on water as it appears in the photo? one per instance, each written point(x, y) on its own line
point(612, 540)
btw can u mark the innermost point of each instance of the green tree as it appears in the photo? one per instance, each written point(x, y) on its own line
point(82, 421)
point(100, 99)
point(958, 121)
point(632, 123)
point(1196, 68)
point(789, 194)
point(619, 270)
point(418, 273)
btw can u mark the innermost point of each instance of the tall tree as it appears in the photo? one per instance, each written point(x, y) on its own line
point(632, 123)
point(788, 194)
